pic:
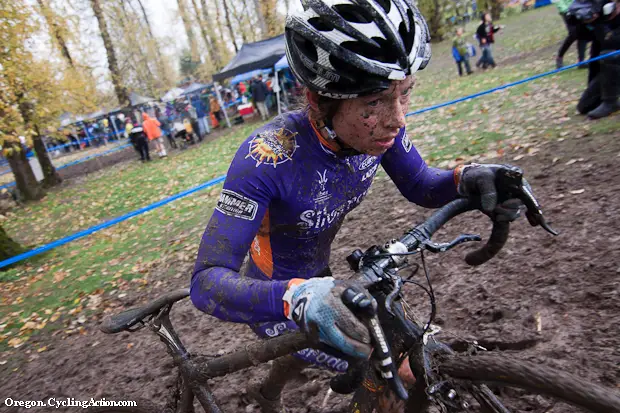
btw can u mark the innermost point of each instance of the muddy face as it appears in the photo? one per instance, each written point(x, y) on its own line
point(370, 124)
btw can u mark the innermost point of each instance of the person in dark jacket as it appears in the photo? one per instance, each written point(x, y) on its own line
point(486, 36)
point(259, 95)
point(201, 116)
point(600, 99)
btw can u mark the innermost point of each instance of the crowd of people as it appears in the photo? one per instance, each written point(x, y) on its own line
point(462, 51)
point(587, 21)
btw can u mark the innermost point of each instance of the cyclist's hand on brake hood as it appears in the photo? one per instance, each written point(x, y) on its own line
point(317, 304)
point(480, 182)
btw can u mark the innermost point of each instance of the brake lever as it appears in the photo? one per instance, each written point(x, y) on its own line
point(366, 310)
point(534, 212)
point(512, 179)
point(436, 247)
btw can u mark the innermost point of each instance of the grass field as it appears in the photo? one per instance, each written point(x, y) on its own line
point(67, 281)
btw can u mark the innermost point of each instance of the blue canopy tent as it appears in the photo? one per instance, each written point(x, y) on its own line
point(249, 75)
point(252, 56)
point(194, 87)
point(282, 64)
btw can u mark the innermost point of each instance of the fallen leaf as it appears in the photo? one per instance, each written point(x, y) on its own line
point(577, 191)
point(42, 349)
point(572, 161)
point(516, 158)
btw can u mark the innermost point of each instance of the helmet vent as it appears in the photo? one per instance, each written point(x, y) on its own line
point(406, 36)
point(385, 4)
point(320, 24)
point(353, 14)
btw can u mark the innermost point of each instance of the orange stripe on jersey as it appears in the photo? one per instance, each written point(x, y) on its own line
point(260, 250)
point(331, 145)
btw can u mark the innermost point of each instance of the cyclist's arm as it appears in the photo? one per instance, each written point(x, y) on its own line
point(427, 187)
point(216, 287)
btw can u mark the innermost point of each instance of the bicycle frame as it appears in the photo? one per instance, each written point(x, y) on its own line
point(194, 371)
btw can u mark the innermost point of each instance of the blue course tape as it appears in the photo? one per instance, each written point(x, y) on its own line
point(82, 234)
point(77, 161)
point(215, 181)
point(508, 85)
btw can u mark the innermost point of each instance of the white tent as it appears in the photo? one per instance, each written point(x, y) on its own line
point(172, 94)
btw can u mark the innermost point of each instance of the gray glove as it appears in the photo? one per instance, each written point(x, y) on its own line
point(478, 182)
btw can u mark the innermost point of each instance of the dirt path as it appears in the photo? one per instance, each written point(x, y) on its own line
point(569, 283)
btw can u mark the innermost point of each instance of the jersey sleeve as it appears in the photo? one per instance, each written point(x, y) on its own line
point(217, 288)
point(427, 187)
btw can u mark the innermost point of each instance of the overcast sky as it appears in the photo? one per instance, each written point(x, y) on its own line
point(165, 20)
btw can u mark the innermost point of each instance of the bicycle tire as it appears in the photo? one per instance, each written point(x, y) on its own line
point(142, 406)
point(532, 377)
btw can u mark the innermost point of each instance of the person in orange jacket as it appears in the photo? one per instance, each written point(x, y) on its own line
point(153, 132)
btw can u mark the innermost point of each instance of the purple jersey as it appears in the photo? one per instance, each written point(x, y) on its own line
point(284, 199)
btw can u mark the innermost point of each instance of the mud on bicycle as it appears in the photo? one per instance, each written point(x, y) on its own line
point(446, 380)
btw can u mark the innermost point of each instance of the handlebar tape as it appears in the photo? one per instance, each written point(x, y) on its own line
point(496, 242)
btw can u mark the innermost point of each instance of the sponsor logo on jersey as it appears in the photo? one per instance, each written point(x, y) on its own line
point(367, 162)
point(236, 205)
point(370, 173)
point(273, 147)
point(322, 218)
point(323, 194)
point(407, 145)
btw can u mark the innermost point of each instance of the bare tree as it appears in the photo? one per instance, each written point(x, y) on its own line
point(229, 24)
point(239, 19)
point(215, 51)
point(273, 21)
point(120, 90)
point(261, 18)
point(55, 30)
point(193, 45)
point(148, 26)
point(218, 21)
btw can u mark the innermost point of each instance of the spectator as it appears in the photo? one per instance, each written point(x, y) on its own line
point(201, 116)
point(139, 142)
point(216, 109)
point(486, 36)
point(259, 95)
point(600, 99)
point(562, 6)
point(459, 52)
point(153, 133)
point(206, 101)
point(128, 127)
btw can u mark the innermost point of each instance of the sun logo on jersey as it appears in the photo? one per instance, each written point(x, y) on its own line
point(273, 147)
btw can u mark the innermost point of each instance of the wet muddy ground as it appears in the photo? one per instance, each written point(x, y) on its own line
point(561, 291)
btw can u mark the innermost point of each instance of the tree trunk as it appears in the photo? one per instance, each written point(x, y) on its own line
point(148, 26)
point(51, 177)
point(193, 46)
point(239, 20)
point(25, 181)
point(270, 17)
point(55, 31)
point(215, 51)
point(229, 24)
point(8, 247)
point(218, 19)
point(203, 30)
point(261, 18)
point(121, 92)
point(433, 11)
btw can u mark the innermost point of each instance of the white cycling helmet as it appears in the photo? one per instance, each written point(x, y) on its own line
point(348, 48)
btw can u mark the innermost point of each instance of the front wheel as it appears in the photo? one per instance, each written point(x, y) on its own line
point(534, 378)
point(496, 369)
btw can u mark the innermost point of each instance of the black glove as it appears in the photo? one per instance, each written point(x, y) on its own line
point(479, 182)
